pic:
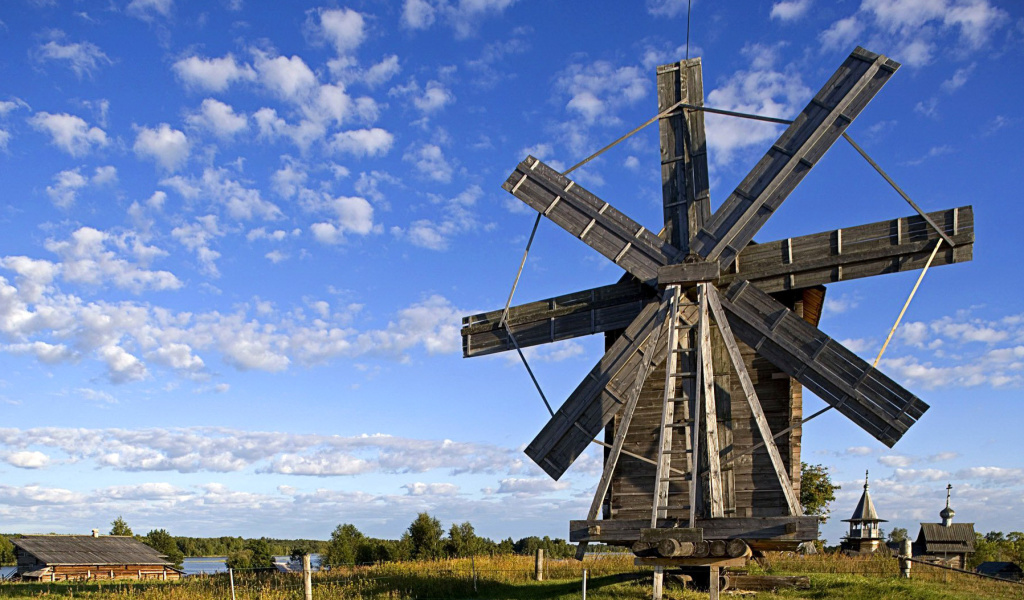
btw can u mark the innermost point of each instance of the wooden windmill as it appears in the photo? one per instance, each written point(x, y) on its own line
point(710, 336)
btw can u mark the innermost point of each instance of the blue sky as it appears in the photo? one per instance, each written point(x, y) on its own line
point(239, 237)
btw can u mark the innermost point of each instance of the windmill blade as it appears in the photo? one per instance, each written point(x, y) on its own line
point(598, 398)
point(862, 393)
point(622, 240)
point(892, 246)
point(806, 140)
point(596, 310)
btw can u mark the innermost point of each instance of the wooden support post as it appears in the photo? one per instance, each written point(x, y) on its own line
point(231, 578)
point(584, 584)
point(755, 405)
point(659, 583)
point(538, 566)
point(717, 508)
point(905, 552)
point(307, 577)
point(713, 587)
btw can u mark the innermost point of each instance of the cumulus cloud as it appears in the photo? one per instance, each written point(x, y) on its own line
point(463, 16)
point(91, 257)
point(363, 142)
point(289, 78)
point(790, 10)
point(762, 89)
point(147, 10)
point(69, 133)
point(344, 28)
point(234, 196)
point(168, 147)
point(212, 74)
point(66, 184)
point(597, 90)
point(667, 8)
point(916, 29)
point(84, 58)
point(27, 459)
point(218, 118)
point(431, 489)
point(197, 237)
point(352, 215)
point(457, 216)
point(430, 162)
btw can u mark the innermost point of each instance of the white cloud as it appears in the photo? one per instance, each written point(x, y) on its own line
point(896, 460)
point(353, 215)
point(431, 489)
point(122, 366)
point(86, 258)
point(218, 118)
point(842, 33)
point(27, 459)
point(430, 162)
point(523, 487)
point(457, 216)
point(763, 90)
point(417, 14)
point(383, 71)
point(148, 9)
point(958, 79)
point(463, 16)
point(49, 354)
point(790, 10)
point(343, 28)
point(667, 8)
point(169, 147)
point(84, 58)
point(64, 190)
point(435, 97)
point(289, 78)
point(69, 132)
point(213, 74)
point(363, 142)
point(196, 237)
point(598, 90)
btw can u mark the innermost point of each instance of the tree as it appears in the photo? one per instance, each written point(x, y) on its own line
point(119, 527)
point(462, 541)
point(425, 535)
point(239, 560)
point(816, 490)
point(6, 552)
point(898, 534)
point(344, 546)
point(164, 543)
point(259, 552)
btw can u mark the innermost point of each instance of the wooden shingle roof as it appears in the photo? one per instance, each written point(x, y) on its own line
point(936, 538)
point(89, 550)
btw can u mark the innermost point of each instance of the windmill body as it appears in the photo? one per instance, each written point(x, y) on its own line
point(711, 337)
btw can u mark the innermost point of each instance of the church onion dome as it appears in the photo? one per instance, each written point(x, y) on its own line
point(947, 513)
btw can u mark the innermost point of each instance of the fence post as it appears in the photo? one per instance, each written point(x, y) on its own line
point(539, 565)
point(231, 578)
point(584, 584)
point(472, 563)
point(905, 551)
point(307, 577)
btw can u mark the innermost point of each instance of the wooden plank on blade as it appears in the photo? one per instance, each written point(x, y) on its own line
point(684, 161)
point(619, 238)
point(821, 364)
point(596, 310)
point(885, 247)
point(803, 143)
point(596, 400)
point(716, 506)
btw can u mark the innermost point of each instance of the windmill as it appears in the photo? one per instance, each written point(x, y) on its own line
point(710, 336)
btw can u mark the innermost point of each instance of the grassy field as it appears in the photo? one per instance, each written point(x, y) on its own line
point(511, 578)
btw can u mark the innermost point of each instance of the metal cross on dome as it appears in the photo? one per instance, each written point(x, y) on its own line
point(710, 258)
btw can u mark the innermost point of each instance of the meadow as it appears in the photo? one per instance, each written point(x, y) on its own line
point(511, 578)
